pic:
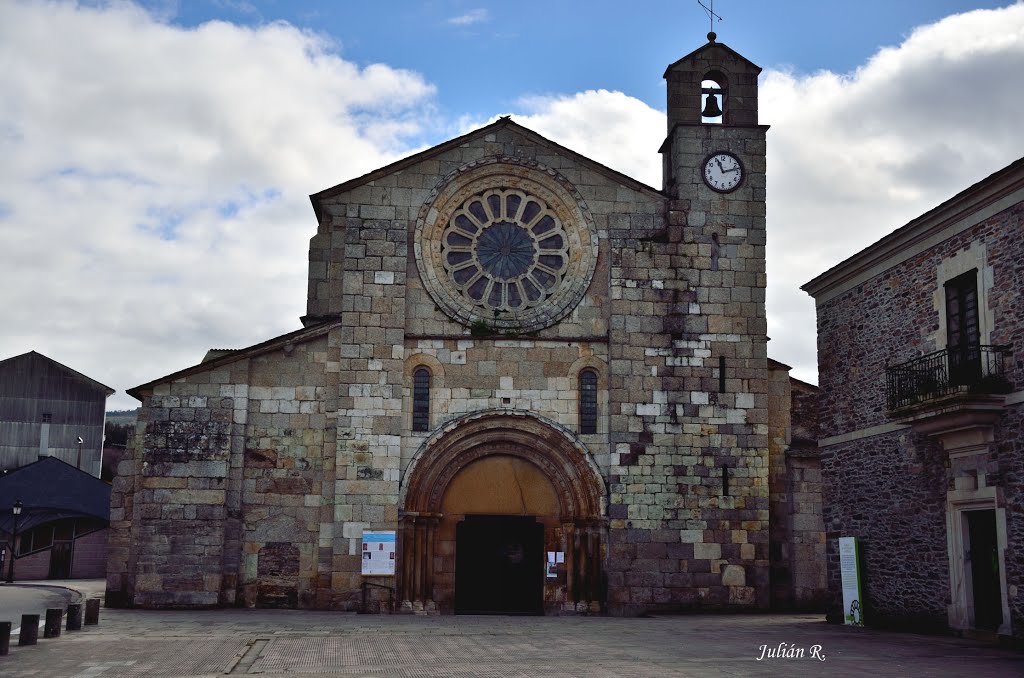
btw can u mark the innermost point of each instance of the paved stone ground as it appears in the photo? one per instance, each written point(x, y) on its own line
point(137, 643)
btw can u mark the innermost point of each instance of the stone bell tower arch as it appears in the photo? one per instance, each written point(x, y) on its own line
point(502, 464)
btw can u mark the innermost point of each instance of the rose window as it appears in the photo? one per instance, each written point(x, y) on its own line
point(505, 250)
point(505, 245)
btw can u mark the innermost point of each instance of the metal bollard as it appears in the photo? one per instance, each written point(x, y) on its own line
point(74, 617)
point(92, 611)
point(5, 638)
point(29, 629)
point(53, 618)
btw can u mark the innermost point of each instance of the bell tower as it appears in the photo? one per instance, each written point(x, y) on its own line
point(714, 165)
point(712, 95)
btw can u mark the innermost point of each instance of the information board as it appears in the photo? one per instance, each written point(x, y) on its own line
point(379, 552)
point(849, 569)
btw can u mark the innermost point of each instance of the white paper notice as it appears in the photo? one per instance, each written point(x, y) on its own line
point(379, 552)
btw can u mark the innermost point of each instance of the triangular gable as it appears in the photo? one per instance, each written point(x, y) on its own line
point(711, 45)
point(501, 123)
point(229, 356)
point(35, 356)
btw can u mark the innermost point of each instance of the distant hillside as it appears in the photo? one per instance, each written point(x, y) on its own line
point(122, 417)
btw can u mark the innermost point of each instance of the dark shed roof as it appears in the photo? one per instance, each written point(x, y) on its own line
point(51, 489)
point(25, 376)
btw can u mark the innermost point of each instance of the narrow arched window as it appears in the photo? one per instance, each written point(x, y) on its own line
point(588, 401)
point(421, 399)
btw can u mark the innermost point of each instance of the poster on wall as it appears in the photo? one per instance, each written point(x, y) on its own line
point(379, 552)
point(849, 569)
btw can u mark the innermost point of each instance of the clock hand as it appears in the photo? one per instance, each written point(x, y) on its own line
point(719, 162)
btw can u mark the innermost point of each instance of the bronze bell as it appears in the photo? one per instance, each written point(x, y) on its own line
point(711, 108)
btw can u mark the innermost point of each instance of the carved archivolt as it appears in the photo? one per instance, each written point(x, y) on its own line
point(565, 462)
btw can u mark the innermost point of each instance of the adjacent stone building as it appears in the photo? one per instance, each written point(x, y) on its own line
point(546, 378)
point(921, 415)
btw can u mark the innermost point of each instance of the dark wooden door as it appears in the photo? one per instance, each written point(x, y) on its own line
point(499, 565)
point(984, 556)
point(60, 560)
point(963, 331)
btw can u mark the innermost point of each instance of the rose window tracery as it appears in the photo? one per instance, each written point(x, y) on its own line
point(505, 245)
point(505, 250)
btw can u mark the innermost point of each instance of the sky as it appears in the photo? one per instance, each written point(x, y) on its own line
point(156, 157)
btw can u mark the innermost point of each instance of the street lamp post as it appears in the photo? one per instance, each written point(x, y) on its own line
point(16, 510)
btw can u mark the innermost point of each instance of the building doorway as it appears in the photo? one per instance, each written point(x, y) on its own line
point(982, 554)
point(499, 563)
point(487, 503)
point(977, 563)
point(60, 560)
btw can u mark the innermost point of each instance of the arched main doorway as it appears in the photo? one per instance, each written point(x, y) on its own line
point(487, 502)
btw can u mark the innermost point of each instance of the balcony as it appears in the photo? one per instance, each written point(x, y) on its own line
point(955, 396)
point(970, 370)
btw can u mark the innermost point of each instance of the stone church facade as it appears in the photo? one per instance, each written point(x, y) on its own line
point(511, 355)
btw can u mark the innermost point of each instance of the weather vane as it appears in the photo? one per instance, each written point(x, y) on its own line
point(709, 9)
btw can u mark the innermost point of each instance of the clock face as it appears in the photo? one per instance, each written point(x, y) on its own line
point(723, 172)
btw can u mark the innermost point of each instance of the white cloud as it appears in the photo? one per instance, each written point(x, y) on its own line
point(153, 183)
point(850, 157)
point(153, 189)
point(616, 130)
point(473, 16)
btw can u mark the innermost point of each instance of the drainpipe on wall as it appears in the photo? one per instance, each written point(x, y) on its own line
point(44, 440)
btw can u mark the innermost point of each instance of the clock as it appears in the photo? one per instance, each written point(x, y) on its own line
point(723, 172)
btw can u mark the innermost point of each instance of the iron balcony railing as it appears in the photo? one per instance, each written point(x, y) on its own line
point(974, 369)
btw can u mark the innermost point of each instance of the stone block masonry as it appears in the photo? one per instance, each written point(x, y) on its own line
point(914, 482)
point(603, 339)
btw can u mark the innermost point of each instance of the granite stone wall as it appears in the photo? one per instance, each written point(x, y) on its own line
point(890, 491)
point(254, 477)
point(888, 485)
point(895, 316)
point(1010, 454)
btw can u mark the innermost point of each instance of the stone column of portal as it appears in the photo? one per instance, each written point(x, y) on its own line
point(432, 521)
point(406, 573)
point(418, 565)
point(588, 575)
point(581, 565)
point(595, 575)
point(592, 563)
point(568, 529)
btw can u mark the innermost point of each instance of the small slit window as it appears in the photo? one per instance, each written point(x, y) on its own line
point(588, 401)
point(421, 399)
